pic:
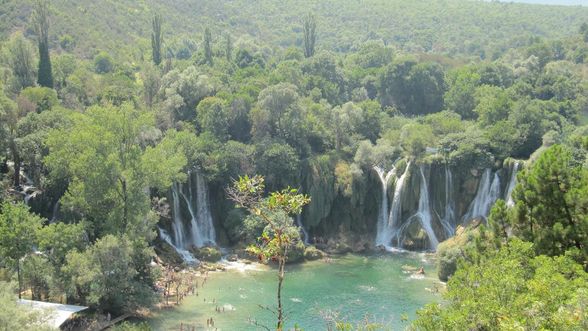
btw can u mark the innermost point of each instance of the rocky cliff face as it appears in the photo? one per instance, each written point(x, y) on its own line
point(344, 212)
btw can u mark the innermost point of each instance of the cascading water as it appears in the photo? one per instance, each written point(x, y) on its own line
point(54, 212)
point(177, 225)
point(423, 215)
point(488, 193)
point(186, 255)
point(391, 226)
point(302, 229)
point(511, 184)
point(205, 225)
point(383, 224)
point(448, 220)
point(201, 225)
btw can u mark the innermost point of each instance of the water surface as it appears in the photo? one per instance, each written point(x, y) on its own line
point(351, 287)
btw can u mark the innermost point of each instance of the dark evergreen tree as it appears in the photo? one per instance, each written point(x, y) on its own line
point(229, 48)
point(156, 39)
point(41, 24)
point(309, 28)
point(551, 200)
point(208, 46)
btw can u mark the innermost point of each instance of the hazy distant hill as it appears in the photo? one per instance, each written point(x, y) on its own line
point(552, 2)
point(443, 26)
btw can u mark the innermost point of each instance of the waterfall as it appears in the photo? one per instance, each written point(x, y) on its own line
point(201, 225)
point(302, 229)
point(55, 211)
point(448, 220)
point(511, 184)
point(423, 215)
point(390, 228)
point(205, 226)
point(381, 237)
point(488, 193)
point(177, 225)
point(186, 255)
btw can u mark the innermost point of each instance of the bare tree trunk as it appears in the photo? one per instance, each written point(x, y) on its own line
point(281, 274)
point(16, 159)
point(19, 281)
point(280, 308)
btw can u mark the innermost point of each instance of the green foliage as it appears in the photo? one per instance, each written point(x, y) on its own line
point(414, 88)
point(460, 96)
point(156, 39)
point(40, 19)
point(212, 116)
point(112, 156)
point(512, 289)
point(550, 204)
point(107, 276)
point(16, 317)
point(18, 231)
point(18, 234)
point(208, 46)
point(19, 58)
point(42, 98)
point(182, 91)
point(103, 63)
point(309, 29)
point(280, 234)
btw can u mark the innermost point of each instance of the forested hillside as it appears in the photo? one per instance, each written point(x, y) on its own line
point(453, 27)
point(140, 141)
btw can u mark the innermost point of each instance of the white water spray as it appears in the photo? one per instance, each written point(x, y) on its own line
point(488, 193)
point(201, 225)
point(511, 184)
point(392, 222)
point(381, 237)
point(302, 229)
point(186, 255)
point(448, 220)
point(177, 225)
point(423, 215)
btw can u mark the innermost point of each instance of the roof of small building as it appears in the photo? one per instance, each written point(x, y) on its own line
point(58, 313)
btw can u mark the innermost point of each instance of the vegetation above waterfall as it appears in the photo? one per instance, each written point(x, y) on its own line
point(122, 124)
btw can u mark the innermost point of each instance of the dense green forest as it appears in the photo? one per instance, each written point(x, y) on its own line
point(117, 118)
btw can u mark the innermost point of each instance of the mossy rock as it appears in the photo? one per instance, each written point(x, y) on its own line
point(337, 247)
point(167, 254)
point(312, 253)
point(450, 251)
point(296, 253)
point(208, 254)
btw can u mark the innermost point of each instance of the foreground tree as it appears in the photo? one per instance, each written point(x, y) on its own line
point(551, 204)
point(18, 235)
point(511, 289)
point(41, 24)
point(108, 276)
point(15, 317)
point(280, 234)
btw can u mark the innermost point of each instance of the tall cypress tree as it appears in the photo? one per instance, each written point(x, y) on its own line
point(309, 30)
point(156, 39)
point(208, 46)
point(41, 24)
point(229, 48)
